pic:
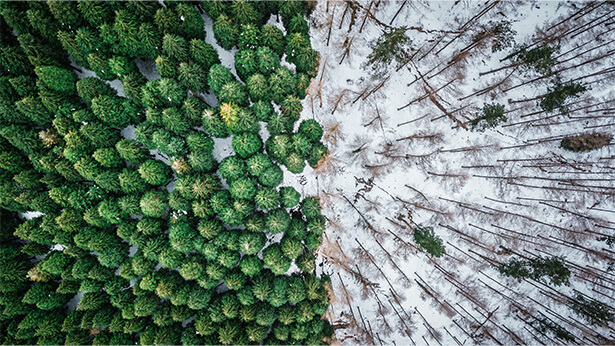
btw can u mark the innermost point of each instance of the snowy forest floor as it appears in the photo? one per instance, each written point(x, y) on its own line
point(403, 153)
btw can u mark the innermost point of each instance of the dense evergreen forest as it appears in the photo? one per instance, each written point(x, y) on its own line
point(142, 235)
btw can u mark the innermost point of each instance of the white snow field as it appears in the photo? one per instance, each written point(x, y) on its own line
point(403, 153)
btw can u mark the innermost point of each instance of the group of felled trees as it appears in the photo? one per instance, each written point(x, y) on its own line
point(202, 250)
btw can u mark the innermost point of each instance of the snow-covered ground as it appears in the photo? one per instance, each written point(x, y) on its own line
point(400, 156)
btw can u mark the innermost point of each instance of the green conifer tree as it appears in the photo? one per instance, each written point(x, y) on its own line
point(114, 111)
point(273, 38)
point(318, 151)
point(427, 241)
point(233, 92)
point(274, 259)
point(150, 39)
point(204, 54)
point(191, 22)
point(218, 76)
point(268, 61)
point(267, 198)
point(246, 63)
point(155, 172)
point(243, 188)
point(295, 163)
point(90, 87)
point(192, 76)
point(258, 89)
point(291, 247)
point(154, 203)
point(282, 83)
point(109, 181)
point(272, 176)
point(311, 129)
point(175, 47)
point(246, 144)
point(225, 32)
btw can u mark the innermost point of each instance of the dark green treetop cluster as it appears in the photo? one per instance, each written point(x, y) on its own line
point(146, 243)
point(536, 268)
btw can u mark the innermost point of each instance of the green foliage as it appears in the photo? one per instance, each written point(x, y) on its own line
point(33, 108)
point(154, 203)
point(203, 53)
point(271, 176)
point(190, 21)
point(249, 37)
point(499, 33)
point(317, 225)
point(122, 66)
point(22, 137)
point(246, 63)
point(245, 12)
point(318, 151)
point(266, 315)
point(56, 78)
point(218, 76)
point(492, 115)
point(289, 196)
point(246, 144)
point(278, 147)
point(591, 310)
point(109, 181)
point(291, 107)
point(166, 66)
point(235, 280)
point(233, 92)
point(540, 59)
point(311, 129)
point(131, 181)
point(231, 168)
point(267, 198)
point(114, 111)
point(193, 76)
point(393, 45)
point(282, 83)
point(90, 87)
point(130, 151)
point(251, 265)
point(544, 325)
point(243, 188)
point(310, 207)
point(108, 157)
point(306, 62)
point(274, 259)
point(291, 247)
point(226, 32)
point(557, 95)
point(552, 267)
point(99, 63)
point(258, 90)
point(193, 108)
point(155, 172)
point(273, 38)
point(298, 24)
point(298, 229)
point(64, 154)
point(213, 124)
point(294, 162)
point(427, 241)
point(279, 292)
point(98, 134)
point(257, 164)
point(306, 262)
point(277, 220)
